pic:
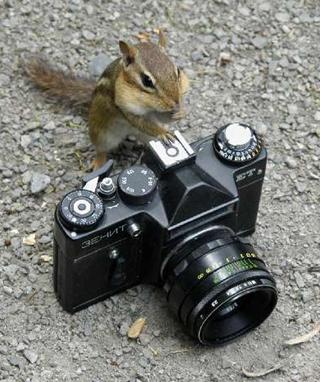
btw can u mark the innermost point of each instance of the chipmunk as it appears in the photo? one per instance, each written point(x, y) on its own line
point(141, 91)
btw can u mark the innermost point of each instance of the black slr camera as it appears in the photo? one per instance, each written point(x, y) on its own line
point(174, 221)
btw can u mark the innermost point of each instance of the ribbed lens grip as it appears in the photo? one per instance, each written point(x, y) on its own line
point(201, 278)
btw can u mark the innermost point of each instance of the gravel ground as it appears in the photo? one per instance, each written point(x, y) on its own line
point(254, 61)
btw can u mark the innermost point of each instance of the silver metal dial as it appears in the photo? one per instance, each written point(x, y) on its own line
point(237, 143)
point(81, 210)
point(238, 136)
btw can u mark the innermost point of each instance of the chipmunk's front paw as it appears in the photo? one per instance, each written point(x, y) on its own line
point(99, 161)
point(167, 138)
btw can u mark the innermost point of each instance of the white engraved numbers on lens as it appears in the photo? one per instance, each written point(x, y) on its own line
point(137, 185)
point(81, 209)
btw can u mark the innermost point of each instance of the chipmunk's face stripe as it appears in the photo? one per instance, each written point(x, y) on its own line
point(152, 83)
point(104, 81)
point(103, 86)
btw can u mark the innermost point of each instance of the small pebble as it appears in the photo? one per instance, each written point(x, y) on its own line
point(49, 126)
point(7, 290)
point(291, 163)
point(25, 141)
point(260, 42)
point(317, 116)
point(224, 58)
point(292, 109)
point(98, 64)
point(299, 280)
point(15, 361)
point(88, 35)
point(39, 182)
point(282, 17)
point(30, 355)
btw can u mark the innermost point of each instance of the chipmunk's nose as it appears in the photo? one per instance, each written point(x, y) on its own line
point(176, 108)
point(178, 111)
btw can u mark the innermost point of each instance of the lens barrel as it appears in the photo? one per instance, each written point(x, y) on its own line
point(217, 285)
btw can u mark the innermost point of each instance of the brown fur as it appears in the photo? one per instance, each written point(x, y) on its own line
point(119, 99)
point(162, 68)
point(57, 83)
point(149, 58)
point(102, 111)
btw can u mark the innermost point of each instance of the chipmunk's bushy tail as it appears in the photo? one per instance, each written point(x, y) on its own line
point(54, 82)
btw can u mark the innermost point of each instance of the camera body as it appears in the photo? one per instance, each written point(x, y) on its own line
point(117, 231)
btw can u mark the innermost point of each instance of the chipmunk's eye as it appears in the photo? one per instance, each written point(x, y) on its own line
point(147, 81)
point(178, 72)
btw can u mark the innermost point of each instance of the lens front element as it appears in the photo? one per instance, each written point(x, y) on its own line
point(217, 285)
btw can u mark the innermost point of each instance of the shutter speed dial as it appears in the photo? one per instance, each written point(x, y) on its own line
point(237, 143)
point(137, 184)
point(81, 210)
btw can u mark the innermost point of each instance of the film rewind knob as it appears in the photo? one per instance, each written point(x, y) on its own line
point(81, 210)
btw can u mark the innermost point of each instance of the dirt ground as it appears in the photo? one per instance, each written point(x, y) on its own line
point(251, 61)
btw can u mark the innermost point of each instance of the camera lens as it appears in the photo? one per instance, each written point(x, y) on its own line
point(217, 285)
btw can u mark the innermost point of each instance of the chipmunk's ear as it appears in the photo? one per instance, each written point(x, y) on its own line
point(163, 42)
point(128, 52)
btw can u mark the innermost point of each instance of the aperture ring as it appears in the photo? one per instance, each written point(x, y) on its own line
point(183, 264)
point(224, 252)
point(208, 267)
point(190, 243)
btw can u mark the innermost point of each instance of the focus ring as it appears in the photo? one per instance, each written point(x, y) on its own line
point(208, 265)
point(192, 243)
point(214, 285)
point(186, 261)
